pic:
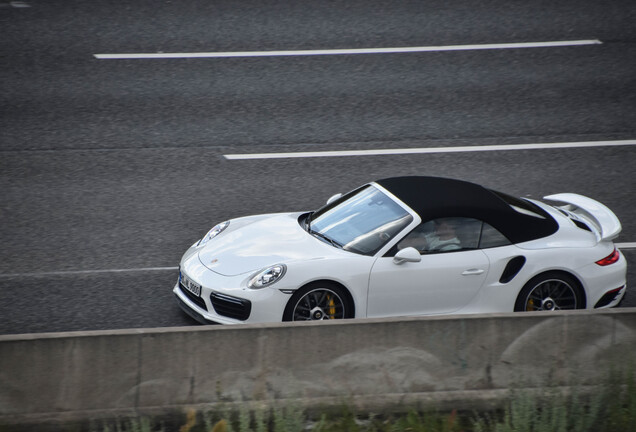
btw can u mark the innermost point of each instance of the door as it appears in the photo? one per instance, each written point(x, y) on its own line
point(439, 283)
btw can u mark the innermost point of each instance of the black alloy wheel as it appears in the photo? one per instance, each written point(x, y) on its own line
point(550, 291)
point(318, 301)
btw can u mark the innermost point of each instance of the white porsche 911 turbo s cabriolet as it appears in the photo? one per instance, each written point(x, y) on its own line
point(406, 246)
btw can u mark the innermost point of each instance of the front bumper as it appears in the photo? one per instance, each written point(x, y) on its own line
point(216, 308)
point(192, 312)
point(238, 305)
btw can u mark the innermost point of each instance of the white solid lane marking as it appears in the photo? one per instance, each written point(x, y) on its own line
point(428, 150)
point(88, 272)
point(396, 50)
point(630, 245)
point(15, 4)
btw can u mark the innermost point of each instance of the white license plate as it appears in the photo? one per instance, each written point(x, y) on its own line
point(191, 286)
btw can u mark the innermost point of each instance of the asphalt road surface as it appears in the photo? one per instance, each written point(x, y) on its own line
point(111, 168)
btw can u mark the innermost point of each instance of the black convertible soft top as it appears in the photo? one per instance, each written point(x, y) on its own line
point(436, 197)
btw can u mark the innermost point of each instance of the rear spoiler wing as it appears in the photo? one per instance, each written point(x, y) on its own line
point(602, 217)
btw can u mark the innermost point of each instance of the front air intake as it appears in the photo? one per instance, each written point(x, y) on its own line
point(231, 307)
point(193, 298)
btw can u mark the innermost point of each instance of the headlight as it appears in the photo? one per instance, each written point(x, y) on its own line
point(267, 276)
point(218, 229)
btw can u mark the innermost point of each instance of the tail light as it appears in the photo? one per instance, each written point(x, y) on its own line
point(610, 259)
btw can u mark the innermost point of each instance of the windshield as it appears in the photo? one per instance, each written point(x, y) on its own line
point(362, 221)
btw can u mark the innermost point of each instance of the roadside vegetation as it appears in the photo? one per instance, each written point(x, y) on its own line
point(609, 408)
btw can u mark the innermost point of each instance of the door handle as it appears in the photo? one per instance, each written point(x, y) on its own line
point(471, 272)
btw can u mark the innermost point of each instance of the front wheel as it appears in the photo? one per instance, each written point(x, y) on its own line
point(549, 292)
point(318, 301)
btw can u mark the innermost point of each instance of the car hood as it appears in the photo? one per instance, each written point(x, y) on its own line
point(261, 242)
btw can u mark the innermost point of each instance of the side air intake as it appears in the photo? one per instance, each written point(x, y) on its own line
point(512, 269)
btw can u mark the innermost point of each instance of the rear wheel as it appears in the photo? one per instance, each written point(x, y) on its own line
point(318, 301)
point(549, 292)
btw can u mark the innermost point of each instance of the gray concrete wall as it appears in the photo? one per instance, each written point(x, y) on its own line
point(452, 361)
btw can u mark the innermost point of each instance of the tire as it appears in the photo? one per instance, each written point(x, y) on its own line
point(550, 291)
point(318, 301)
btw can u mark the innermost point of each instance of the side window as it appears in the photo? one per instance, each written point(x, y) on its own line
point(490, 238)
point(444, 235)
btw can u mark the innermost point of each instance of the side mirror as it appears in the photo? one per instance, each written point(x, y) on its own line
point(333, 198)
point(409, 254)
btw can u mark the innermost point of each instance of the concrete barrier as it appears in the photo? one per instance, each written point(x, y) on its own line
point(451, 361)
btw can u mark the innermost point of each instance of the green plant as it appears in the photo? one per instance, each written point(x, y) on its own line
point(321, 425)
point(621, 399)
point(140, 424)
point(346, 421)
point(415, 421)
point(217, 421)
point(289, 419)
point(606, 408)
point(244, 419)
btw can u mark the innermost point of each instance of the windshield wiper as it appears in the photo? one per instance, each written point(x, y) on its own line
point(324, 237)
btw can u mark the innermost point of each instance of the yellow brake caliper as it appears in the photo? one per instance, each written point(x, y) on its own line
point(332, 307)
point(530, 305)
